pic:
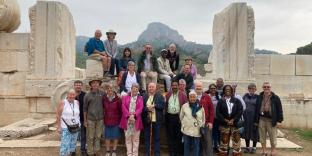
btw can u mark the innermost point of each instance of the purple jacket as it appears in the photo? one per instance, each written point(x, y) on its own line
point(137, 114)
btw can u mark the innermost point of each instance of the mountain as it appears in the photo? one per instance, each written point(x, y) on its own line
point(264, 51)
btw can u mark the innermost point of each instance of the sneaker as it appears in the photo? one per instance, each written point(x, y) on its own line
point(253, 150)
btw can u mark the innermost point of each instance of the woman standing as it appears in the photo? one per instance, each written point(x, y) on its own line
point(229, 111)
point(123, 63)
point(215, 97)
point(131, 122)
point(67, 113)
point(112, 116)
point(192, 117)
point(250, 130)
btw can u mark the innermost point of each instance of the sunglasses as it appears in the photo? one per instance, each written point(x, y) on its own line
point(266, 87)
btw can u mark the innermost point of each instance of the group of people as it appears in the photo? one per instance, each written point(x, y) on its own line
point(197, 122)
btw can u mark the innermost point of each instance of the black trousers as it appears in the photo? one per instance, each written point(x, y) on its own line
point(174, 134)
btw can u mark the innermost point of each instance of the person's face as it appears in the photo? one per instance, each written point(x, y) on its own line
point(148, 48)
point(152, 88)
point(131, 67)
point(266, 88)
point(77, 87)
point(127, 53)
point(98, 34)
point(192, 98)
point(189, 62)
point(109, 90)
point(227, 91)
point(174, 86)
point(172, 49)
point(252, 90)
point(95, 84)
point(219, 83)
point(134, 91)
point(187, 69)
point(212, 89)
point(111, 36)
point(164, 54)
point(198, 88)
point(71, 96)
point(182, 86)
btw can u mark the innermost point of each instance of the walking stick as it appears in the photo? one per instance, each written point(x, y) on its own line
point(151, 134)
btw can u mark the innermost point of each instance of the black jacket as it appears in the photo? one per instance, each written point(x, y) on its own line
point(222, 111)
point(141, 62)
point(276, 109)
point(159, 103)
point(80, 99)
point(188, 79)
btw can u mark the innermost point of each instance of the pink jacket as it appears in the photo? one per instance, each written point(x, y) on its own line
point(137, 114)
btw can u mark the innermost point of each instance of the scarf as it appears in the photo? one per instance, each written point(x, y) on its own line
point(195, 108)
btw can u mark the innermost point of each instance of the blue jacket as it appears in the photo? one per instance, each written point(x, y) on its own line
point(94, 44)
point(159, 102)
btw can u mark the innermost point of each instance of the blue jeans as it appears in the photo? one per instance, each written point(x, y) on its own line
point(156, 138)
point(191, 143)
point(216, 133)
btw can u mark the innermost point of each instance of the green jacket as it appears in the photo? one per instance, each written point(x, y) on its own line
point(141, 62)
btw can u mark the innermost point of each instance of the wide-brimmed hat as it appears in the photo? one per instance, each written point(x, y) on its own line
point(111, 31)
point(95, 79)
point(188, 58)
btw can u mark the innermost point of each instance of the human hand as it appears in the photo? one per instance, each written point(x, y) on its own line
point(85, 124)
point(279, 125)
point(150, 108)
point(209, 125)
point(58, 130)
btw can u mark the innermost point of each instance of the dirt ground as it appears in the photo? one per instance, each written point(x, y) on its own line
point(292, 136)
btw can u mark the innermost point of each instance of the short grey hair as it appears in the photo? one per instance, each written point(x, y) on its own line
point(131, 63)
point(192, 92)
point(266, 82)
point(251, 85)
point(135, 85)
point(182, 81)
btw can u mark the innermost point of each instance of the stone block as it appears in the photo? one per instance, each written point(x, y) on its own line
point(14, 42)
point(44, 105)
point(283, 64)
point(8, 118)
point(12, 83)
point(41, 88)
point(16, 105)
point(80, 73)
point(94, 68)
point(8, 61)
point(304, 65)
point(262, 64)
point(23, 61)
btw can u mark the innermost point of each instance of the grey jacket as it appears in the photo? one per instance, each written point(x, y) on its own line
point(93, 105)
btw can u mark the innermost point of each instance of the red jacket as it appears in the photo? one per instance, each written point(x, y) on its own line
point(206, 102)
point(112, 111)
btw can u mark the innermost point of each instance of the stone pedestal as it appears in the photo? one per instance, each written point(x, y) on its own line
point(94, 68)
point(9, 15)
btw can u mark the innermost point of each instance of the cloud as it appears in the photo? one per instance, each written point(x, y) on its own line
point(281, 25)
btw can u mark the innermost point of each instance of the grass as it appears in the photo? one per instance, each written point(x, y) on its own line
point(305, 134)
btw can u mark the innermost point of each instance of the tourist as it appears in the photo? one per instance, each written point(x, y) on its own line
point(220, 85)
point(131, 121)
point(229, 111)
point(96, 50)
point(164, 69)
point(237, 96)
point(215, 97)
point(152, 117)
point(147, 66)
point(93, 116)
point(268, 116)
point(193, 69)
point(182, 86)
point(67, 114)
point(205, 101)
point(111, 48)
point(112, 115)
point(173, 58)
point(128, 78)
point(174, 101)
point(250, 130)
point(123, 64)
point(192, 118)
point(79, 97)
point(186, 75)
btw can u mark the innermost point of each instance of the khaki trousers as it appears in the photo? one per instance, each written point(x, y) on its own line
point(265, 127)
point(94, 132)
point(147, 77)
point(132, 143)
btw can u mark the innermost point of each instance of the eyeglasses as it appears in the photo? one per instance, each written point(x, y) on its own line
point(266, 87)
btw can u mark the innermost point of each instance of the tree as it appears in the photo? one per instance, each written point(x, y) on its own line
point(305, 50)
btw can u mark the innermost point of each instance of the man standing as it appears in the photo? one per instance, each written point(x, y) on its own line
point(79, 97)
point(147, 66)
point(174, 101)
point(96, 50)
point(205, 101)
point(186, 75)
point(268, 116)
point(152, 116)
point(111, 48)
point(220, 85)
point(93, 116)
point(165, 72)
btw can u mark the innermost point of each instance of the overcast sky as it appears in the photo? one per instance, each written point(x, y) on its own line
point(281, 25)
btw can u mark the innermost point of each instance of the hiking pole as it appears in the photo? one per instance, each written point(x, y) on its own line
point(151, 134)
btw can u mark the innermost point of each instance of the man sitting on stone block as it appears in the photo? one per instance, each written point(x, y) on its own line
point(96, 51)
point(164, 70)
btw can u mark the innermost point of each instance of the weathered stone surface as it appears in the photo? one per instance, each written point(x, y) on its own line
point(17, 42)
point(10, 117)
point(16, 105)
point(262, 64)
point(24, 128)
point(44, 105)
point(232, 56)
point(12, 83)
point(304, 65)
point(9, 15)
point(94, 68)
point(283, 64)
point(52, 41)
point(80, 73)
